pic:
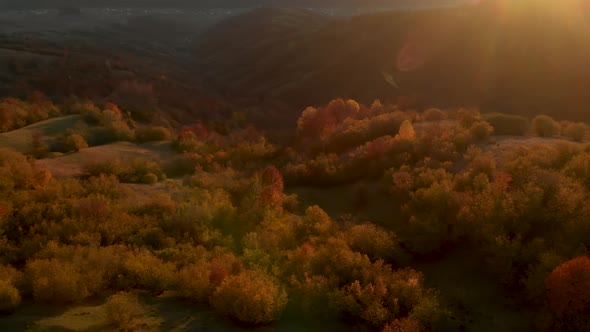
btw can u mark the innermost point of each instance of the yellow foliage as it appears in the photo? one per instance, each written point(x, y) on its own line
point(406, 131)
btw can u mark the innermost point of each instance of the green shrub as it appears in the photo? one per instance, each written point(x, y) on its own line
point(545, 126)
point(576, 131)
point(481, 130)
point(55, 281)
point(9, 296)
point(125, 312)
point(252, 297)
point(507, 124)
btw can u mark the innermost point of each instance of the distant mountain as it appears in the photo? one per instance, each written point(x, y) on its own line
point(511, 56)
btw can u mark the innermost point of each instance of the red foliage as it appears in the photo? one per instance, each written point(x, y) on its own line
point(272, 188)
point(501, 182)
point(568, 286)
point(113, 107)
point(218, 274)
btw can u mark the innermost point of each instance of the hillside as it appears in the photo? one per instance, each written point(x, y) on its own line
point(191, 170)
point(526, 59)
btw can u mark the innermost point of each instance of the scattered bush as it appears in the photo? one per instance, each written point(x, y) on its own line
point(252, 297)
point(481, 130)
point(545, 126)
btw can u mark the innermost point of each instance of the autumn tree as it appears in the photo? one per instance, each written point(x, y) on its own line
point(271, 193)
point(406, 131)
point(252, 297)
point(125, 312)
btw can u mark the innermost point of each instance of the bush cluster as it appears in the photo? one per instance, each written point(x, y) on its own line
point(137, 170)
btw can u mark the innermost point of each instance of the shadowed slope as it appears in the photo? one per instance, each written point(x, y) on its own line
point(506, 56)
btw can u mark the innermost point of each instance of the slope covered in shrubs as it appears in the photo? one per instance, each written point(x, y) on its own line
point(224, 232)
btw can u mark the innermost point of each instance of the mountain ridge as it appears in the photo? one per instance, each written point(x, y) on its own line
point(467, 56)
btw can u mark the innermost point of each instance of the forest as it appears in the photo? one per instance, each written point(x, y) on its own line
point(269, 174)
